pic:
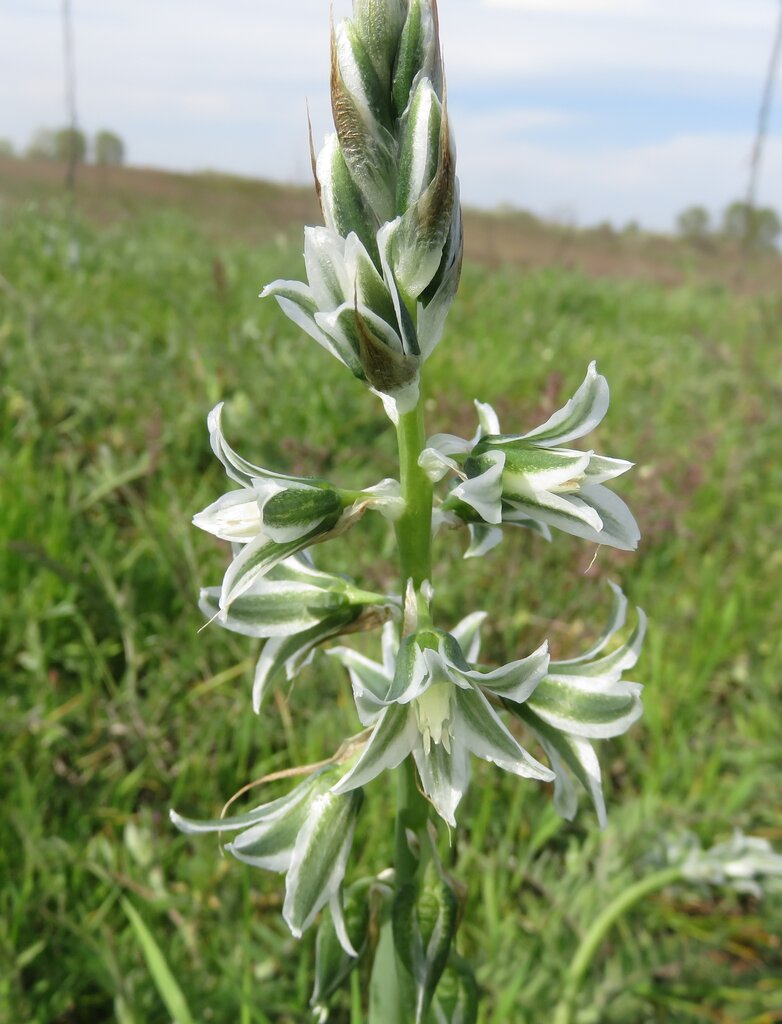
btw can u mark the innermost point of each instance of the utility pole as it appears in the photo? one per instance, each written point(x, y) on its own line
point(762, 127)
point(70, 94)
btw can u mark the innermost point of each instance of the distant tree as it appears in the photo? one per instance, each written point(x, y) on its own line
point(758, 227)
point(108, 149)
point(70, 145)
point(43, 145)
point(694, 224)
point(6, 148)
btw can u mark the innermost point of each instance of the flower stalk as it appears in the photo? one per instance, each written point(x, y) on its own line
point(414, 527)
point(381, 275)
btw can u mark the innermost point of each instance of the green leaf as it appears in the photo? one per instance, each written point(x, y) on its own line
point(165, 982)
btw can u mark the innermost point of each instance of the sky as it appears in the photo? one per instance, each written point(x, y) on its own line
point(578, 110)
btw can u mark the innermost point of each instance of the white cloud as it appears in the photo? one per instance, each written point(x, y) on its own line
point(699, 41)
point(650, 183)
point(755, 13)
point(189, 84)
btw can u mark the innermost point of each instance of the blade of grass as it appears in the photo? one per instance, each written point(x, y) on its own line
point(165, 982)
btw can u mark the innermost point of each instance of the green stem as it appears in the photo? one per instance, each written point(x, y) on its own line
point(414, 538)
point(591, 942)
point(414, 528)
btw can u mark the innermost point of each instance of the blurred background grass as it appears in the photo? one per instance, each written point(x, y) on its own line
point(124, 316)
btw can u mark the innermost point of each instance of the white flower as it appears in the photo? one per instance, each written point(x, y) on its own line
point(428, 700)
point(530, 480)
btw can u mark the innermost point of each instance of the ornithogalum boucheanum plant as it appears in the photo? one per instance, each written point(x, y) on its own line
point(381, 276)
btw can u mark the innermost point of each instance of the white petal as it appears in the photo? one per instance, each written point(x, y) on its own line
point(620, 529)
point(517, 680)
point(581, 414)
point(391, 741)
point(319, 859)
point(487, 418)
point(601, 468)
point(324, 260)
point(436, 465)
point(484, 492)
point(235, 517)
point(477, 726)
point(449, 444)
point(482, 539)
point(616, 621)
point(444, 777)
point(467, 634)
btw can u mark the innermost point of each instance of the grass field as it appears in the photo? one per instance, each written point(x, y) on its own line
point(117, 335)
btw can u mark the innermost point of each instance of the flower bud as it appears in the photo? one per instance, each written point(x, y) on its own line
point(389, 196)
point(424, 924)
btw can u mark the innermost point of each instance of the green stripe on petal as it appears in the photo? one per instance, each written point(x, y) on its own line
point(596, 715)
point(580, 414)
point(616, 620)
point(517, 680)
point(530, 469)
point(569, 752)
point(290, 653)
point(419, 146)
point(392, 739)
point(292, 513)
point(273, 608)
point(344, 206)
point(264, 812)
point(320, 857)
point(444, 777)
point(477, 726)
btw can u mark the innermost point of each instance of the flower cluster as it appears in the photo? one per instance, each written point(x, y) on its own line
point(381, 277)
point(383, 272)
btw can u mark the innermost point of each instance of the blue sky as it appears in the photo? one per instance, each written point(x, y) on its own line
point(582, 110)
